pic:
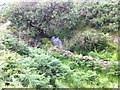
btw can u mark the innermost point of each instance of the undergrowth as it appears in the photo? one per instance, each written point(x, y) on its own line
point(38, 68)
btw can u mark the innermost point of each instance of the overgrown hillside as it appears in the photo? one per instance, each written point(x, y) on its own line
point(87, 59)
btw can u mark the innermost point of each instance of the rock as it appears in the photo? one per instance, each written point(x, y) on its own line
point(67, 53)
point(57, 42)
point(87, 58)
point(116, 40)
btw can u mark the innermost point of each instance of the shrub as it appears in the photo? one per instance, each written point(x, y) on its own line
point(47, 71)
point(4, 11)
point(40, 19)
point(40, 71)
point(101, 15)
point(14, 44)
point(88, 41)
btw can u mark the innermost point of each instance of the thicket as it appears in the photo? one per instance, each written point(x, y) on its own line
point(37, 20)
point(41, 69)
point(103, 16)
point(86, 41)
point(14, 44)
point(52, 18)
point(25, 66)
point(60, 17)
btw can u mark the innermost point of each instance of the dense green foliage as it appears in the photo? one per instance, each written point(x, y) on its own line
point(89, 41)
point(14, 44)
point(39, 68)
point(93, 62)
point(103, 16)
point(39, 19)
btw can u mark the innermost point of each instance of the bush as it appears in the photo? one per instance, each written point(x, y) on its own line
point(14, 44)
point(88, 41)
point(40, 71)
point(101, 15)
point(4, 11)
point(40, 19)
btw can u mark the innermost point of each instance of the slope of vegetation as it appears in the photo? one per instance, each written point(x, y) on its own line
point(88, 59)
